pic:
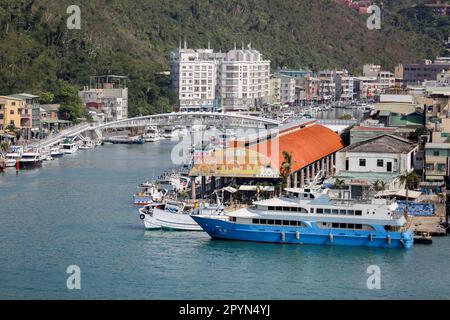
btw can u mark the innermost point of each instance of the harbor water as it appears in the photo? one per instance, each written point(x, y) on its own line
point(78, 210)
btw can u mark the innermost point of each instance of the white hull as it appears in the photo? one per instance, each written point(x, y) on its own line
point(152, 139)
point(10, 162)
point(68, 151)
point(161, 219)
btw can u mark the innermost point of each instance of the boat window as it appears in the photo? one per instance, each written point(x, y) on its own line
point(285, 222)
point(351, 212)
point(293, 223)
point(358, 226)
point(320, 211)
point(255, 221)
point(351, 226)
point(271, 208)
point(279, 208)
point(343, 225)
point(358, 212)
point(342, 211)
point(335, 211)
point(278, 222)
point(262, 221)
point(270, 221)
point(311, 196)
point(327, 211)
point(233, 219)
point(312, 210)
point(335, 225)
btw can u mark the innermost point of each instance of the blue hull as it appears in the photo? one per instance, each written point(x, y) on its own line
point(227, 230)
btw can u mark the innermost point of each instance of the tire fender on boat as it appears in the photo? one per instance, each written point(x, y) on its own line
point(297, 235)
point(389, 239)
point(330, 237)
point(283, 236)
point(142, 216)
point(371, 237)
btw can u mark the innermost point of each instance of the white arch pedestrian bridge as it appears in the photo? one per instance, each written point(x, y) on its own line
point(168, 119)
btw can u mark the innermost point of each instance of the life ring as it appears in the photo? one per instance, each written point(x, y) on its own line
point(142, 216)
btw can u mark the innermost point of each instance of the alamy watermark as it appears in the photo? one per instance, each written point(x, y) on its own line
point(374, 280)
point(74, 20)
point(374, 21)
point(74, 280)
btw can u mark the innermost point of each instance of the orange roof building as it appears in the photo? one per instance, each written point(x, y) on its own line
point(311, 146)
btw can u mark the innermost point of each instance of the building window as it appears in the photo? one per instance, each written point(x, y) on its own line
point(436, 153)
point(11, 112)
point(362, 162)
point(380, 163)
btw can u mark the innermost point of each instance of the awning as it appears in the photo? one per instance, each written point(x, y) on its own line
point(253, 188)
point(230, 189)
point(399, 193)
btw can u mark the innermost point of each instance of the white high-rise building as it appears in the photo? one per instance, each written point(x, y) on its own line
point(207, 80)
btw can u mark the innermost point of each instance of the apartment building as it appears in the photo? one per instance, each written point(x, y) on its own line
point(109, 94)
point(417, 73)
point(206, 80)
point(275, 91)
point(287, 92)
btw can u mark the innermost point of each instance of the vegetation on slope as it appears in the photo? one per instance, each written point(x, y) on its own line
point(38, 54)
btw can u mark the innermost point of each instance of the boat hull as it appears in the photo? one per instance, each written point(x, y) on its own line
point(220, 229)
point(30, 164)
point(142, 199)
point(161, 219)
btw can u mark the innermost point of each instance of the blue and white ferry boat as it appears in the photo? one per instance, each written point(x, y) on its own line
point(312, 216)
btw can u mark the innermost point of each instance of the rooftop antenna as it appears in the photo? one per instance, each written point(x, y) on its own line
point(179, 44)
point(235, 46)
point(250, 46)
point(242, 45)
point(185, 43)
point(209, 44)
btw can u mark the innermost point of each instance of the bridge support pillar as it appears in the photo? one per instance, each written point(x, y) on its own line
point(193, 189)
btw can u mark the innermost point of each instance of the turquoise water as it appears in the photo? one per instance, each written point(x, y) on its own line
point(77, 211)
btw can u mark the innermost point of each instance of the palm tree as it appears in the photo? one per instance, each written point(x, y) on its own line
point(286, 169)
point(410, 180)
point(339, 184)
point(4, 147)
point(379, 185)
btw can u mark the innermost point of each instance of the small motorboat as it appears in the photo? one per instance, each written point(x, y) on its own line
point(56, 153)
point(30, 160)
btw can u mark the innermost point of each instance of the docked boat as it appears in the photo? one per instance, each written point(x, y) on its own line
point(126, 140)
point(148, 194)
point(30, 160)
point(151, 135)
point(173, 215)
point(312, 216)
point(56, 153)
point(11, 159)
point(68, 147)
point(170, 133)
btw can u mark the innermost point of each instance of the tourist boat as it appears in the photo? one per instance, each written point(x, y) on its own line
point(30, 160)
point(173, 215)
point(126, 140)
point(68, 147)
point(312, 216)
point(86, 145)
point(151, 135)
point(56, 153)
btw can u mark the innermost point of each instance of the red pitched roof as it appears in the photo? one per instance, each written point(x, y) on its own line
point(309, 145)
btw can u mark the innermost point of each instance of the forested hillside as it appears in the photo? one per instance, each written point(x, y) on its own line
point(38, 54)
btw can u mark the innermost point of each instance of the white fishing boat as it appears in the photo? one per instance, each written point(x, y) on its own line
point(11, 159)
point(30, 160)
point(68, 147)
point(56, 153)
point(173, 215)
point(151, 135)
point(170, 133)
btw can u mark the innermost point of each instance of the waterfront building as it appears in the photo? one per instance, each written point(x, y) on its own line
point(383, 158)
point(259, 156)
point(327, 85)
point(234, 81)
point(50, 118)
point(10, 114)
point(109, 94)
point(28, 113)
point(345, 88)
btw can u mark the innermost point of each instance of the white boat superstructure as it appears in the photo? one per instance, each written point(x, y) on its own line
point(11, 159)
point(68, 147)
point(151, 134)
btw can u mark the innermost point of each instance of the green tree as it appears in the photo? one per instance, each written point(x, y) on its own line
point(339, 184)
point(410, 181)
point(286, 169)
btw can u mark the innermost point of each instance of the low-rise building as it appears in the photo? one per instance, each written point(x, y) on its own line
point(110, 93)
point(378, 160)
point(275, 91)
